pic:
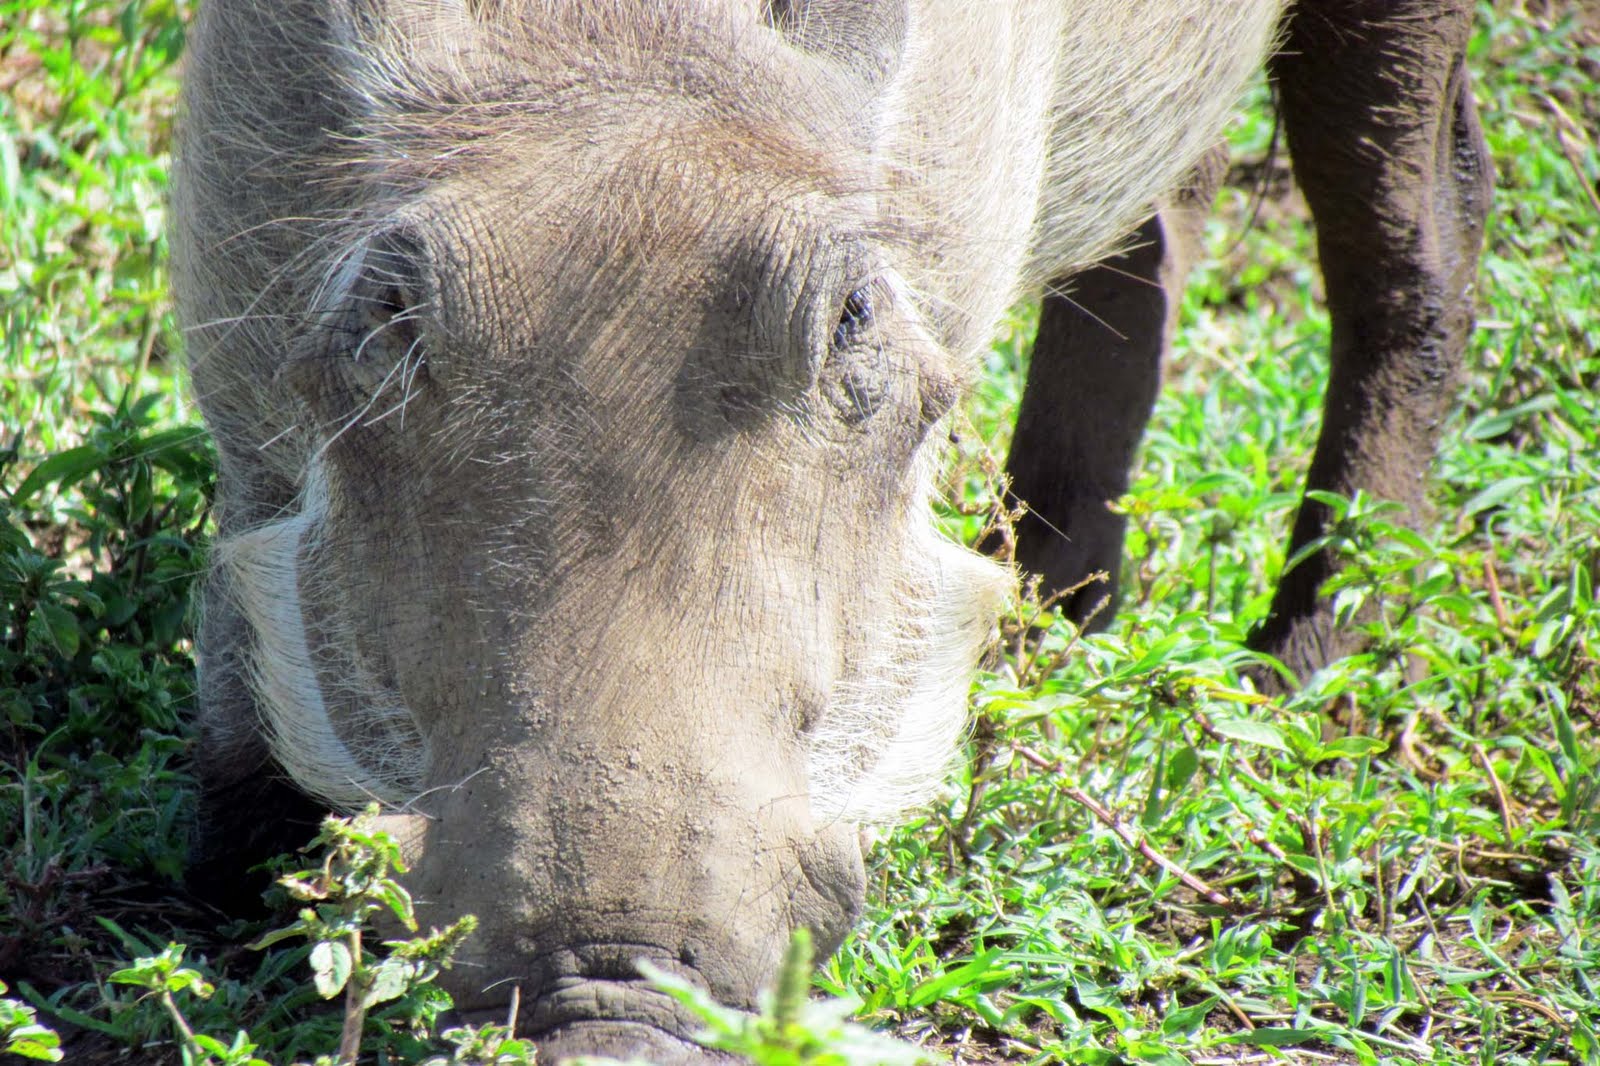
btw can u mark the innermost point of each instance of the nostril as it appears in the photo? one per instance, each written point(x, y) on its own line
point(620, 962)
point(597, 990)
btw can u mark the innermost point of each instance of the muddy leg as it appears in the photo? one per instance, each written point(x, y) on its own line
point(1386, 145)
point(1096, 366)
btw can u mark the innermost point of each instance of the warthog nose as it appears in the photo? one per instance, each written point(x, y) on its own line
point(576, 989)
point(628, 1042)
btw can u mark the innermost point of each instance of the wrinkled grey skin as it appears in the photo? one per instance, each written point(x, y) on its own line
point(577, 373)
point(1381, 127)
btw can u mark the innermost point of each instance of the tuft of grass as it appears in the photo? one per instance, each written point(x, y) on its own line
point(342, 892)
point(87, 94)
point(99, 547)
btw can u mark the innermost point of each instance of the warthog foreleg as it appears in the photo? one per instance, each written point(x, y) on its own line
point(1103, 337)
point(1385, 141)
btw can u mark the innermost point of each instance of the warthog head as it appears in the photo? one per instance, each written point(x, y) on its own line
point(576, 425)
point(576, 371)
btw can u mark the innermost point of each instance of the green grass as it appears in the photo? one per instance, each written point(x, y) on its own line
point(1141, 861)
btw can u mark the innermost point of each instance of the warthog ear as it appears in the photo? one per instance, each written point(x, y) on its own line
point(866, 38)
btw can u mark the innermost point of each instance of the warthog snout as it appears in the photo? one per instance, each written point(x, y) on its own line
point(592, 998)
point(601, 1007)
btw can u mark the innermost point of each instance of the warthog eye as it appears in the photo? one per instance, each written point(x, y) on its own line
point(385, 309)
point(382, 291)
point(855, 319)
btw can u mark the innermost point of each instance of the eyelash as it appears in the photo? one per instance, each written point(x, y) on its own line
point(855, 318)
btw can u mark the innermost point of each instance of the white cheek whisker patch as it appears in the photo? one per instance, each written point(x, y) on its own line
point(267, 571)
point(885, 744)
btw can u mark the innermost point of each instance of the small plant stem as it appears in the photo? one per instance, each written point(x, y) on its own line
point(1313, 839)
point(1263, 789)
point(1129, 837)
point(959, 836)
point(1265, 843)
point(27, 818)
point(1382, 894)
point(184, 1031)
point(1569, 150)
point(1502, 617)
point(1237, 1011)
point(1500, 798)
point(1019, 648)
point(147, 342)
point(355, 1014)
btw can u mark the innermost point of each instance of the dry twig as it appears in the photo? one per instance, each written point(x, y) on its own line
point(1134, 840)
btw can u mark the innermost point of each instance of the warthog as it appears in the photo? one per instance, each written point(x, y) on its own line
point(577, 372)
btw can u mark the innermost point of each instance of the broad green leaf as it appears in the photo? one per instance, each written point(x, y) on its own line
point(1105, 1001)
point(210, 1044)
point(62, 469)
point(187, 980)
point(390, 980)
point(1184, 1020)
point(1497, 494)
point(1274, 1036)
point(331, 963)
point(1181, 767)
point(933, 989)
point(398, 900)
point(1410, 538)
point(54, 626)
point(1351, 748)
point(1261, 734)
point(268, 939)
point(34, 1042)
